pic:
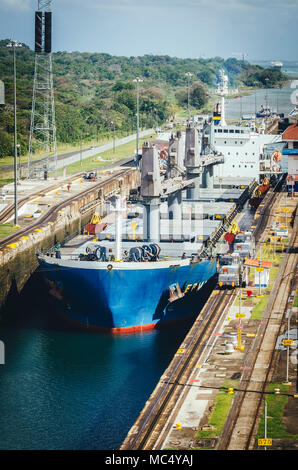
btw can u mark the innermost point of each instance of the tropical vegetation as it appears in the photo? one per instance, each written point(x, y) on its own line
point(94, 90)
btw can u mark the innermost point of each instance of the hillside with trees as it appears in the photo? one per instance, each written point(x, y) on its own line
point(94, 89)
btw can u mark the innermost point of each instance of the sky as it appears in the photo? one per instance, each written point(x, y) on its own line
point(262, 29)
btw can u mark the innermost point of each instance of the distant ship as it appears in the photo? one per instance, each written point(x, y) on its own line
point(276, 64)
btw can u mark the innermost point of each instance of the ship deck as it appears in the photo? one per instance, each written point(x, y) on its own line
point(174, 250)
point(72, 261)
point(200, 218)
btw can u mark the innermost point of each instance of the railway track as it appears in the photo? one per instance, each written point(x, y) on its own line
point(51, 214)
point(265, 213)
point(159, 412)
point(156, 420)
point(249, 398)
point(8, 212)
point(153, 425)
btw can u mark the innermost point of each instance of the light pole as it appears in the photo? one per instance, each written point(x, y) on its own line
point(188, 75)
point(20, 168)
point(15, 44)
point(255, 83)
point(288, 342)
point(265, 422)
point(138, 80)
point(239, 326)
point(241, 112)
point(277, 92)
point(266, 97)
point(113, 124)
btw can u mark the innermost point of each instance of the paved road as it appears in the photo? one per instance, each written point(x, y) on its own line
point(68, 158)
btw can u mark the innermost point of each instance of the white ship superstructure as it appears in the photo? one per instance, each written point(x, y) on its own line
point(241, 145)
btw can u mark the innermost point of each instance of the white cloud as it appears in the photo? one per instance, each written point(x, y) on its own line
point(155, 5)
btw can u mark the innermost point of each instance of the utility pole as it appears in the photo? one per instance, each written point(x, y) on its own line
point(260, 267)
point(241, 112)
point(113, 124)
point(265, 423)
point(255, 83)
point(288, 343)
point(188, 75)
point(14, 45)
point(266, 97)
point(240, 325)
point(138, 80)
point(43, 123)
point(81, 156)
point(20, 167)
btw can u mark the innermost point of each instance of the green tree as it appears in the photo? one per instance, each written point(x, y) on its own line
point(198, 96)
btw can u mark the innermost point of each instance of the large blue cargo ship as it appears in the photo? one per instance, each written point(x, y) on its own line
point(142, 283)
point(125, 297)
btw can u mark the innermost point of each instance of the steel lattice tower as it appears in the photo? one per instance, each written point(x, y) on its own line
point(42, 138)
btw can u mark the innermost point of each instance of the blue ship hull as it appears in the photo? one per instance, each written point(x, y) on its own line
point(126, 300)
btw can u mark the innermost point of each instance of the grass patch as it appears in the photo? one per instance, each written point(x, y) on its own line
point(259, 308)
point(7, 229)
point(258, 304)
point(219, 415)
point(296, 301)
point(275, 409)
point(63, 148)
point(6, 180)
point(273, 273)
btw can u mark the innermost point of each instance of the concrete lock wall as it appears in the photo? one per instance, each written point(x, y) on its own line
point(19, 262)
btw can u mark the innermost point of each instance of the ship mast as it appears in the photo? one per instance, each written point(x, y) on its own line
point(222, 91)
point(120, 207)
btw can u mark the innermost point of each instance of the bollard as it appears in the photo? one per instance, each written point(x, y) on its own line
point(229, 348)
